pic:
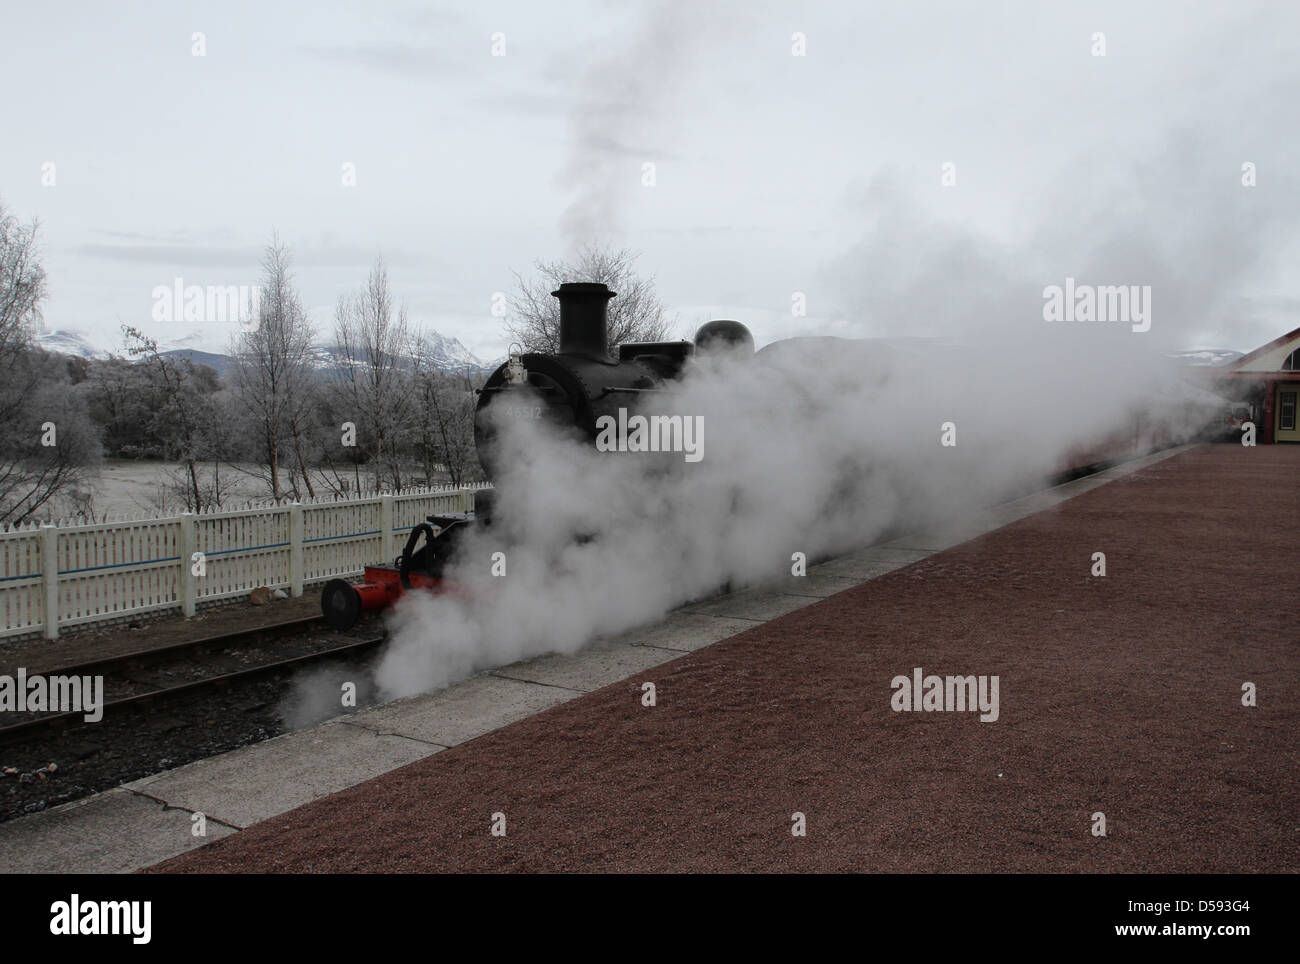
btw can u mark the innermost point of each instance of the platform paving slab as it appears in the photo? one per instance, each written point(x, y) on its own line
point(589, 670)
point(942, 537)
point(869, 563)
point(817, 584)
point(683, 632)
point(265, 779)
point(756, 605)
point(110, 833)
point(467, 710)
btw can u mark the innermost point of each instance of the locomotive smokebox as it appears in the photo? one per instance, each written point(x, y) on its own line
point(583, 328)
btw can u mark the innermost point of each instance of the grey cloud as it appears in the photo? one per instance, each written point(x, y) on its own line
point(304, 255)
point(393, 57)
point(527, 102)
point(172, 254)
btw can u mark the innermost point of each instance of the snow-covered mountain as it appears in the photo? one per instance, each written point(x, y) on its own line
point(62, 342)
point(444, 352)
point(67, 341)
point(1206, 357)
point(450, 355)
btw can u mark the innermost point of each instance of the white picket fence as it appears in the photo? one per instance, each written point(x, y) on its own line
point(57, 576)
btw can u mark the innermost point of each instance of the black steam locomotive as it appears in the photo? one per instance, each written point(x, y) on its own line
point(572, 388)
point(581, 382)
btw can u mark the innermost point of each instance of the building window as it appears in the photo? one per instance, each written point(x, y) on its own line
point(1292, 362)
point(1286, 412)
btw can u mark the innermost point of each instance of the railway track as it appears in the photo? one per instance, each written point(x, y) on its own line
point(139, 672)
point(125, 670)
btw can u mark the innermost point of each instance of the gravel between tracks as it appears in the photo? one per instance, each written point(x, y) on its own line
point(1119, 694)
point(130, 743)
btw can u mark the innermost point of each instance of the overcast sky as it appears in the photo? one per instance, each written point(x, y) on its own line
point(774, 173)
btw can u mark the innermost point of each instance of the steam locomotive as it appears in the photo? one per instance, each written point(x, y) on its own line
point(572, 388)
point(581, 383)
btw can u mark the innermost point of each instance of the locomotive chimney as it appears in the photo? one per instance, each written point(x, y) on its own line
point(583, 329)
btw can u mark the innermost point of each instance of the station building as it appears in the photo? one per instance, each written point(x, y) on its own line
point(1267, 381)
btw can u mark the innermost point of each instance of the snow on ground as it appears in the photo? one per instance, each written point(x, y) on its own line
point(130, 488)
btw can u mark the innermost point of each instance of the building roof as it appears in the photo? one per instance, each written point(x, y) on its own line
point(1266, 358)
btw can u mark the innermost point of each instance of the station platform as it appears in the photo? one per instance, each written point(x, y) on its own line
point(775, 710)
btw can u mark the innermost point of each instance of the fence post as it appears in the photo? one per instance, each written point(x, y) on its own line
point(50, 578)
point(295, 549)
point(189, 544)
point(385, 529)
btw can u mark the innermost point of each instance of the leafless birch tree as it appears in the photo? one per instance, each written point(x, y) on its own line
point(373, 346)
point(273, 378)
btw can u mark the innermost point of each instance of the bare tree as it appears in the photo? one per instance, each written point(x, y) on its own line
point(635, 315)
point(184, 416)
point(22, 290)
point(48, 445)
point(272, 376)
point(372, 358)
point(442, 420)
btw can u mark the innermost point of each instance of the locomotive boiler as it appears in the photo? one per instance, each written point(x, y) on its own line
point(579, 385)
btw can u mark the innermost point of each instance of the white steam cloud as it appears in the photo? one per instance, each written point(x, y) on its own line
point(820, 446)
point(813, 446)
point(625, 100)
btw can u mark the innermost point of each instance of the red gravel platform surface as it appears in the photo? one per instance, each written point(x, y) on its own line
point(1120, 695)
